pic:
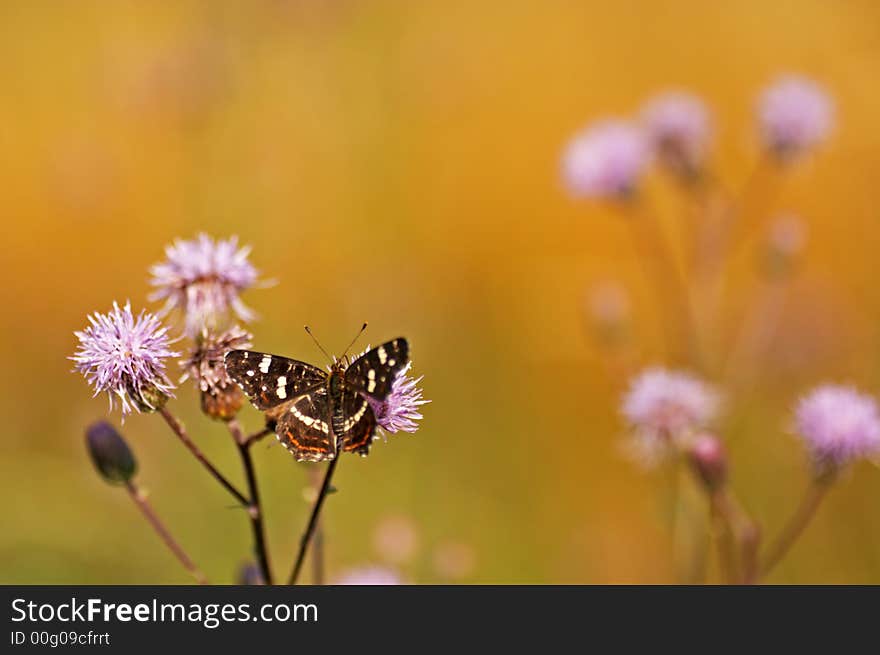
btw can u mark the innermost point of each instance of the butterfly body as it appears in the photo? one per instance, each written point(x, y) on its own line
point(316, 413)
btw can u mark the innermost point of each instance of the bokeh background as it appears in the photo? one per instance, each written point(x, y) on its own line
point(398, 162)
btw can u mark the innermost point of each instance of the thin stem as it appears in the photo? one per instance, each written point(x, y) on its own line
point(140, 500)
point(813, 497)
point(251, 439)
point(178, 429)
point(313, 521)
point(654, 251)
point(255, 508)
point(722, 518)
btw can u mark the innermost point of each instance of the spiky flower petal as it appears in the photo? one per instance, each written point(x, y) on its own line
point(125, 357)
point(400, 410)
point(204, 279)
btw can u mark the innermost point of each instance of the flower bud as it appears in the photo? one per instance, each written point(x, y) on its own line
point(110, 453)
point(709, 459)
point(222, 403)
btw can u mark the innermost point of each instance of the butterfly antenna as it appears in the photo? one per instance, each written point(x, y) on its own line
point(356, 337)
point(317, 343)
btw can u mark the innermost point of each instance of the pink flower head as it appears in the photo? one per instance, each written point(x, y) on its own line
point(399, 412)
point(680, 130)
point(125, 357)
point(794, 114)
point(668, 406)
point(838, 425)
point(204, 278)
point(606, 160)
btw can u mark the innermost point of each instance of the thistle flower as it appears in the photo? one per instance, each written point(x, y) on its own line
point(680, 131)
point(125, 356)
point(369, 576)
point(794, 114)
point(110, 453)
point(203, 278)
point(838, 424)
point(606, 160)
point(221, 397)
point(665, 408)
point(400, 410)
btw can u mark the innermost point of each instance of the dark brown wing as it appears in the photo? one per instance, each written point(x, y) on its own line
point(354, 423)
point(304, 427)
point(373, 372)
point(271, 380)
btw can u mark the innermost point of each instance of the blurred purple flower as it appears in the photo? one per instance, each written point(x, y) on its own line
point(125, 356)
point(400, 410)
point(794, 114)
point(203, 278)
point(838, 425)
point(680, 131)
point(666, 408)
point(606, 160)
point(369, 576)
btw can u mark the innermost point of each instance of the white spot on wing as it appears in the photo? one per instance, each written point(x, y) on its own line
point(383, 356)
point(264, 363)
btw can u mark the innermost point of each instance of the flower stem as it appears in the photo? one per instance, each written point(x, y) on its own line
point(140, 499)
point(255, 508)
point(313, 521)
point(810, 502)
point(658, 258)
point(178, 429)
point(251, 439)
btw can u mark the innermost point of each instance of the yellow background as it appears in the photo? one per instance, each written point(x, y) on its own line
point(398, 162)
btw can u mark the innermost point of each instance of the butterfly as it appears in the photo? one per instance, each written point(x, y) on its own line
point(316, 413)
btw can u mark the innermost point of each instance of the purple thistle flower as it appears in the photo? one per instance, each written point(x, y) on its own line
point(606, 160)
point(125, 356)
point(794, 114)
point(680, 130)
point(400, 410)
point(203, 278)
point(369, 576)
point(666, 409)
point(838, 425)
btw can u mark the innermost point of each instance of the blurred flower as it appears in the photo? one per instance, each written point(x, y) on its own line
point(125, 356)
point(203, 278)
point(249, 575)
point(794, 114)
point(606, 160)
point(680, 131)
point(369, 576)
point(838, 425)
point(785, 241)
point(400, 410)
point(395, 539)
point(110, 453)
point(709, 459)
point(454, 560)
point(665, 408)
point(221, 397)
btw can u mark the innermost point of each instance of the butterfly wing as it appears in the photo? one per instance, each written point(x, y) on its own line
point(356, 425)
point(271, 380)
point(304, 427)
point(373, 372)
